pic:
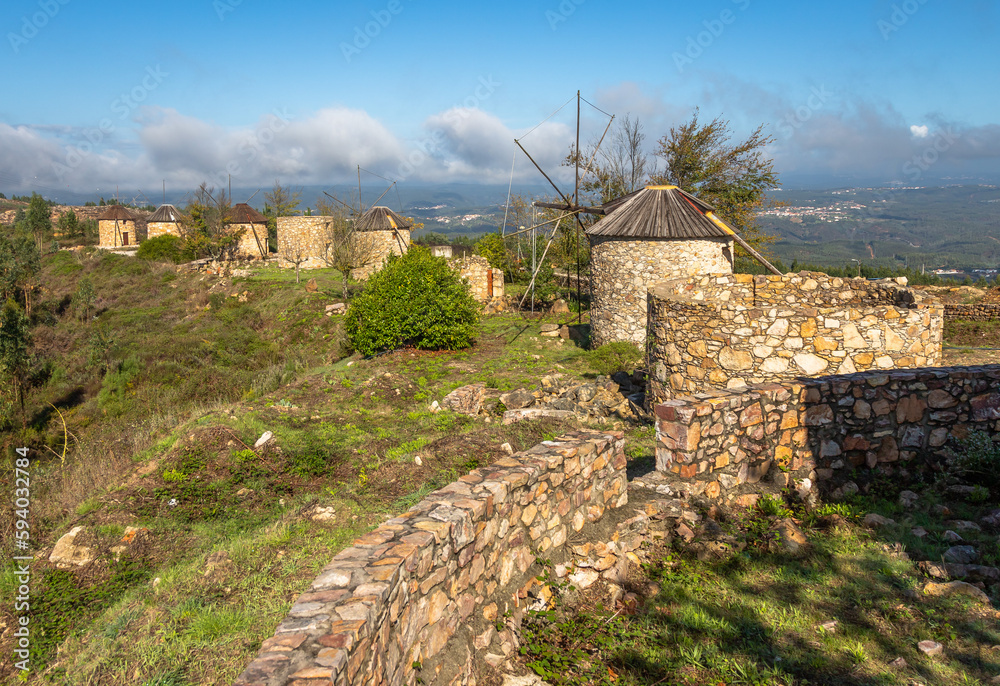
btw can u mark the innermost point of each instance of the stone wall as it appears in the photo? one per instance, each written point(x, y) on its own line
point(155, 229)
point(485, 283)
point(382, 244)
point(112, 236)
point(429, 584)
point(980, 312)
point(302, 237)
point(732, 330)
point(248, 245)
point(730, 445)
point(622, 270)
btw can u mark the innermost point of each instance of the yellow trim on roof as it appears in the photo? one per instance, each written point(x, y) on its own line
point(660, 188)
point(721, 224)
point(392, 223)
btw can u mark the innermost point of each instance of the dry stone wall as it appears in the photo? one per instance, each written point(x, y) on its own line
point(622, 270)
point(733, 330)
point(729, 445)
point(382, 244)
point(248, 245)
point(300, 237)
point(485, 283)
point(979, 312)
point(114, 234)
point(155, 229)
point(427, 586)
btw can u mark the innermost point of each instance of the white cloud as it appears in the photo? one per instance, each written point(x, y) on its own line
point(920, 131)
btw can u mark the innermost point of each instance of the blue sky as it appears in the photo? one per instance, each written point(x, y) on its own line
point(422, 91)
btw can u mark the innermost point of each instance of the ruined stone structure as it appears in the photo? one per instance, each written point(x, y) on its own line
point(726, 445)
point(731, 330)
point(657, 233)
point(978, 312)
point(118, 227)
point(442, 574)
point(303, 237)
point(251, 227)
point(485, 283)
point(165, 221)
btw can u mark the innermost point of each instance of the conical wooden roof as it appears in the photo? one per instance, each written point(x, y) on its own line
point(381, 219)
point(660, 212)
point(116, 212)
point(244, 214)
point(165, 213)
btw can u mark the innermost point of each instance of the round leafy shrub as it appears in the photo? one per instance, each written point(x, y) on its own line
point(413, 300)
point(164, 248)
point(615, 357)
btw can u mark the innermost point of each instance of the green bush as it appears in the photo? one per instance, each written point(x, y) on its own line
point(979, 460)
point(164, 248)
point(615, 357)
point(413, 300)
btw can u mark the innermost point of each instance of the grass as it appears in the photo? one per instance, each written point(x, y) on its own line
point(164, 396)
point(757, 619)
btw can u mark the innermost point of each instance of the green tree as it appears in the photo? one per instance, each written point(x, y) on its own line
point(20, 267)
point(15, 344)
point(208, 232)
point(39, 219)
point(84, 298)
point(69, 225)
point(734, 177)
point(280, 202)
point(344, 249)
point(492, 247)
point(415, 299)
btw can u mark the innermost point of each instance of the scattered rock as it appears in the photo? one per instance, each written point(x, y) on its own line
point(908, 499)
point(507, 448)
point(930, 648)
point(899, 663)
point(942, 510)
point(435, 407)
point(312, 286)
point(961, 554)
point(956, 588)
point(323, 514)
point(336, 308)
point(511, 416)
point(526, 680)
point(992, 520)
point(264, 438)
point(919, 531)
point(467, 400)
point(244, 493)
point(877, 521)
point(952, 537)
point(846, 491)
point(790, 536)
point(518, 399)
point(829, 627)
point(584, 578)
point(961, 491)
point(560, 307)
point(964, 525)
point(67, 553)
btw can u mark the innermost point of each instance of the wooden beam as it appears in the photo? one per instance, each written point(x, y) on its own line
point(569, 208)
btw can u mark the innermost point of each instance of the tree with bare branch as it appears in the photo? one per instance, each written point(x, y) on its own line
point(344, 248)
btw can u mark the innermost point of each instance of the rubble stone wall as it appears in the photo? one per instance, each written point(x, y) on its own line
point(248, 246)
point(382, 244)
point(733, 330)
point(432, 582)
point(302, 237)
point(155, 229)
point(980, 312)
point(111, 237)
point(485, 283)
point(622, 270)
point(728, 444)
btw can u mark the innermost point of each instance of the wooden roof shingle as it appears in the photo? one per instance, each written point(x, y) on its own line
point(658, 212)
point(116, 212)
point(244, 214)
point(165, 213)
point(381, 219)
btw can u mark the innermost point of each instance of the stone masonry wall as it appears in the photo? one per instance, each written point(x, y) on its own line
point(155, 229)
point(430, 583)
point(110, 237)
point(622, 270)
point(302, 236)
point(248, 246)
point(383, 244)
point(476, 270)
point(730, 444)
point(979, 312)
point(732, 330)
